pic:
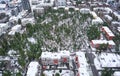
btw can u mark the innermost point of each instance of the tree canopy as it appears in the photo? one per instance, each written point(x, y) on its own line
point(93, 32)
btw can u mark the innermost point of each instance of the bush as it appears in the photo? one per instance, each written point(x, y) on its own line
point(60, 70)
point(57, 74)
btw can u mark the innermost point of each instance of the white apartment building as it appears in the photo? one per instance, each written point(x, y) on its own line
point(60, 2)
point(49, 58)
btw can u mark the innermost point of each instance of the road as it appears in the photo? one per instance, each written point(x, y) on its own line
point(91, 61)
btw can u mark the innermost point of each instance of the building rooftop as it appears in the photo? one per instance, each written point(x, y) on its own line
point(2, 6)
point(108, 31)
point(108, 17)
point(110, 42)
point(107, 60)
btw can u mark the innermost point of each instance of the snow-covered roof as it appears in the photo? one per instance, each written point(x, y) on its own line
point(32, 68)
point(11, 33)
point(28, 20)
point(118, 28)
point(97, 20)
point(107, 9)
point(108, 31)
point(107, 60)
point(15, 28)
point(32, 40)
point(115, 22)
point(81, 59)
point(46, 4)
point(13, 18)
point(66, 8)
point(3, 25)
point(109, 0)
point(55, 56)
point(116, 73)
point(116, 14)
point(55, 8)
point(110, 42)
point(93, 14)
point(65, 53)
point(82, 63)
point(46, 55)
point(58, 55)
point(2, 5)
point(108, 17)
point(85, 10)
point(76, 9)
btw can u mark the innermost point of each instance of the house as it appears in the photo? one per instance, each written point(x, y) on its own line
point(96, 43)
point(33, 69)
point(108, 33)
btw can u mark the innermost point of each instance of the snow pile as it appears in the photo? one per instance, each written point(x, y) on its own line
point(32, 68)
point(32, 40)
point(11, 52)
point(15, 29)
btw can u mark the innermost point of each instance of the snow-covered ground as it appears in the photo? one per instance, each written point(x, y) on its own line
point(63, 73)
point(32, 40)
